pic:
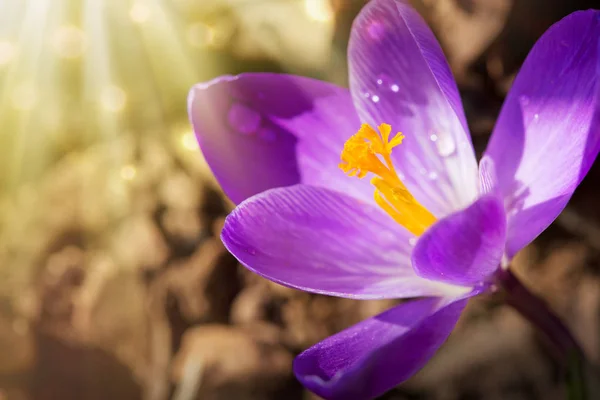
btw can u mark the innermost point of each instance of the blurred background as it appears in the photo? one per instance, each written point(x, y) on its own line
point(113, 282)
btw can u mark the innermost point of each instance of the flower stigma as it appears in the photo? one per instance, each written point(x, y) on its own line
point(369, 152)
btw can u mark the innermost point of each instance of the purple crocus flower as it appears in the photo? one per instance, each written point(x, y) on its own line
point(430, 224)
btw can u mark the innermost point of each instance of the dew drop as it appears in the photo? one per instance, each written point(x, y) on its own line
point(375, 98)
point(433, 137)
point(395, 88)
point(382, 79)
point(432, 175)
point(366, 94)
point(445, 145)
point(412, 241)
point(243, 119)
point(536, 117)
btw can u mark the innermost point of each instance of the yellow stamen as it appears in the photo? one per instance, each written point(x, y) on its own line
point(369, 152)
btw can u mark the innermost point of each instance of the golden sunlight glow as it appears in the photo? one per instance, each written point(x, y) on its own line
point(88, 74)
point(201, 35)
point(113, 98)
point(369, 151)
point(188, 141)
point(318, 10)
point(128, 172)
point(7, 52)
point(140, 12)
point(76, 73)
point(68, 42)
point(24, 96)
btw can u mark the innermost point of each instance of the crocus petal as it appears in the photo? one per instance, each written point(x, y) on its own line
point(488, 179)
point(377, 354)
point(399, 76)
point(323, 241)
point(465, 247)
point(548, 132)
point(261, 131)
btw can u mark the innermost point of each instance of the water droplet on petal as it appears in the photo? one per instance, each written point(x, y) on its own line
point(382, 79)
point(375, 98)
point(433, 137)
point(412, 241)
point(395, 88)
point(445, 145)
point(432, 175)
point(243, 119)
point(536, 117)
point(366, 94)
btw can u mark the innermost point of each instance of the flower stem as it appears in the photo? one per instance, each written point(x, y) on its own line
point(564, 345)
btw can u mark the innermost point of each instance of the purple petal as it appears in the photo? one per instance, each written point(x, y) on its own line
point(323, 241)
point(377, 354)
point(488, 179)
point(548, 135)
point(261, 131)
point(399, 76)
point(466, 247)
